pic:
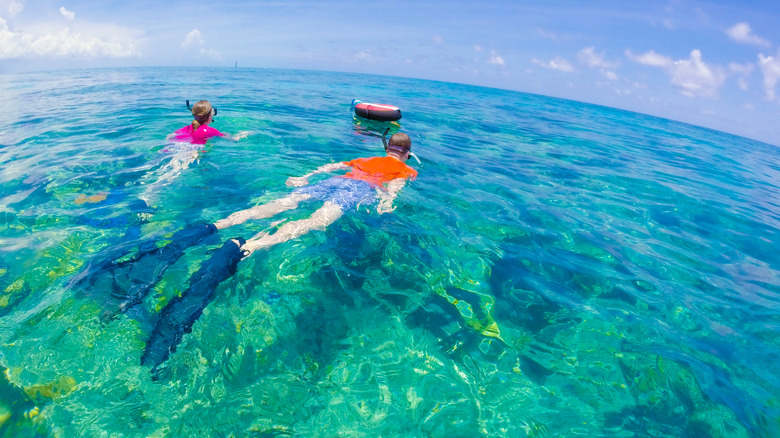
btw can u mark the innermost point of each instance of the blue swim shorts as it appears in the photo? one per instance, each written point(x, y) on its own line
point(345, 192)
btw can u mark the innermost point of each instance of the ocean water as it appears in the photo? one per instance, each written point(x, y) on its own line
point(557, 269)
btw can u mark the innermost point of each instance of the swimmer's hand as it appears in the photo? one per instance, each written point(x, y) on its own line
point(297, 181)
point(386, 198)
point(385, 206)
point(239, 135)
point(385, 203)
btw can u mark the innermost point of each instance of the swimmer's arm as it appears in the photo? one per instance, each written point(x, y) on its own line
point(386, 198)
point(299, 181)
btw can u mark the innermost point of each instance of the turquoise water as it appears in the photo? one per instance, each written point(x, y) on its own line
point(557, 269)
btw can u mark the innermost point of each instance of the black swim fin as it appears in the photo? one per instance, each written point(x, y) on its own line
point(180, 314)
point(131, 277)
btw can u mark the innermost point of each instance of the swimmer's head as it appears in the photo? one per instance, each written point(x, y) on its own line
point(201, 111)
point(399, 143)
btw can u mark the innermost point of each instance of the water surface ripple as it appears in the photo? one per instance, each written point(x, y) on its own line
point(557, 269)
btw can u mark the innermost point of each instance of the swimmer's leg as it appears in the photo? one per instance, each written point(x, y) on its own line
point(181, 312)
point(263, 211)
point(133, 279)
point(326, 215)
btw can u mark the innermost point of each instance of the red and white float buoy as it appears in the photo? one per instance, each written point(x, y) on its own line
point(377, 111)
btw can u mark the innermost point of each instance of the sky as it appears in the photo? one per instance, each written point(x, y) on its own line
point(709, 63)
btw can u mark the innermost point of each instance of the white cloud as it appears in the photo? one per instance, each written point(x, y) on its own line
point(363, 55)
point(193, 39)
point(61, 44)
point(770, 67)
point(692, 76)
point(742, 33)
point(589, 57)
point(695, 78)
point(478, 48)
point(438, 39)
point(544, 33)
point(743, 69)
point(495, 59)
point(14, 8)
point(69, 15)
point(650, 58)
point(211, 53)
point(557, 63)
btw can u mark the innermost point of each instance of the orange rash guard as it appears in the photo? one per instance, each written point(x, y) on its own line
point(378, 170)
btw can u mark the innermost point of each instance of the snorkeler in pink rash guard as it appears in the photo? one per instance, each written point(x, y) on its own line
point(198, 131)
point(185, 146)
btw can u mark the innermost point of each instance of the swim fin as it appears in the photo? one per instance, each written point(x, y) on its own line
point(131, 279)
point(180, 314)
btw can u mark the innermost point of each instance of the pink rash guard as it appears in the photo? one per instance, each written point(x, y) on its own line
point(196, 136)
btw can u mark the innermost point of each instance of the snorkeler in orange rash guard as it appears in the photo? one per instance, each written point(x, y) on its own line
point(369, 180)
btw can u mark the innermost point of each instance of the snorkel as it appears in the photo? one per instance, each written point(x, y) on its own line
point(384, 141)
point(190, 108)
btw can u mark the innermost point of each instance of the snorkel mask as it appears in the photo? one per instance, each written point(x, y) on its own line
point(213, 108)
point(384, 141)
